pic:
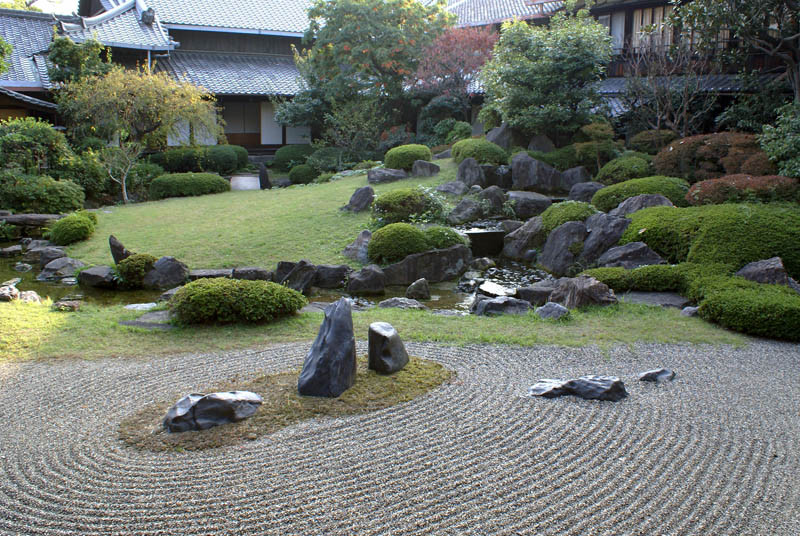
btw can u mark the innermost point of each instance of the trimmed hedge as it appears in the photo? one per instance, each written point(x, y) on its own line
point(481, 149)
point(242, 157)
point(739, 188)
point(394, 242)
point(187, 184)
point(221, 159)
point(729, 234)
point(440, 237)
point(599, 131)
point(226, 300)
point(400, 205)
point(39, 194)
point(561, 213)
point(181, 159)
point(679, 278)
point(672, 188)
point(303, 174)
point(290, 156)
point(133, 269)
point(73, 228)
point(623, 169)
point(652, 141)
point(403, 157)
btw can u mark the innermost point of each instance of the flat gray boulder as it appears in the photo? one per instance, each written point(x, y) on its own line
point(401, 303)
point(331, 275)
point(50, 253)
point(552, 311)
point(503, 305)
point(436, 266)
point(444, 154)
point(639, 202)
point(453, 188)
point(656, 299)
point(167, 272)
point(608, 388)
point(604, 233)
point(201, 412)
point(361, 199)
point(423, 168)
point(528, 204)
point(768, 271)
point(97, 277)
point(465, 211)
point(11, 251)
point(194, 275)
point(330, 366)
point(59, 269)
point(387, 353)
point(384, 175)
point(584, 191)
point(563, 247)
point(537, 294)
point(471, 173)
point(252, 273)
point(658, 375)
point(357, 250)
point(367, 281)
point(494, 197)
point(575, 292)
point(532, 175)
point(629, 256)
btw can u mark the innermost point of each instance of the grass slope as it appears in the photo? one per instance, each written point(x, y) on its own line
point(247, 228)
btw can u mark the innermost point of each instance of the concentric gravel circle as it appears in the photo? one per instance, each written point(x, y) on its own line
point(714, 452)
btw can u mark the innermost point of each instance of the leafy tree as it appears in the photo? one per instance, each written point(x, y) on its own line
point(541, 79)
point(771, 27)
point(23, 5)
point(782, 141)
point(71, 61)
point(5, 51)
point(130, 107)
point(355, 126)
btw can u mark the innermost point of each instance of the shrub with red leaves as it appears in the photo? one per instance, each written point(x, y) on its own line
point(741, 188)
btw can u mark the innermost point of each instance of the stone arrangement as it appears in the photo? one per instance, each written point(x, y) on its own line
point(200, 412)
point(608, 388)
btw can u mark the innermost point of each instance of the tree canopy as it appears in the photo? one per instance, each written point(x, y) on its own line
point(24, 5)
point(5, 52)
point(71, 61)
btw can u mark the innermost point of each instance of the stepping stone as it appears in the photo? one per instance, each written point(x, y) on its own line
point(151, 320)
point(659, 299)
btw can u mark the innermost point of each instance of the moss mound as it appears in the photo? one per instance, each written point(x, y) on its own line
point(561, 213)
point(440, 237)
point(72, 228)
point(133, 269)
point(406, 203)
point(672, 188)
point(403, 157)
point(394, 242)
point(481, 149)
point(623, 169)
point(303, 174)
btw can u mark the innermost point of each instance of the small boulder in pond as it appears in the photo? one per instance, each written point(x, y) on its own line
point(387, 354)
point(657, 375)
point(367, 281)
point(419, 290)
point(330, 366)
point(608, 388)
point(201, 412)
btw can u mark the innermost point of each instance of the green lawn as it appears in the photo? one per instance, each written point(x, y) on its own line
point(249, 228)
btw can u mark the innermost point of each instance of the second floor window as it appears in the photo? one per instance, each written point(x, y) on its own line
point(651, 28)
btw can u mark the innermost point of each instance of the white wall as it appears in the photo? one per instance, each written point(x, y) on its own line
point(271, 131)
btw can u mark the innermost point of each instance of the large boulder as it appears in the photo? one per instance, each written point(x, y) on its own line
point(361, 199)
point(59, 269)
point(629, 256)
point(471, 173)
point(573, 176)
point(201, 412)
point(357, 250)
point(465, 211)
point(502, 136)
point(532, 175)
point(574, 292)
point(387, 353)
point(528, 204)
point(453, 188)
point(49, 254)
point(542, 144)
point(252, 273)
point(769, 271)
point(521, 244)
point(330, 366)
point(331, 276)
point(11, 251)
point(263, 177)
point(497, 176)
point(584, 191)
point(97, 277)
point(551, 311)
point(503, 305)
point(423, 168)
point(301, 278)
point(637, 203)
point(436, 265)
point(367, 281)
point(419, 290)
point(118, 251)
point(562, 247)
point(494, 197)
point(588, 387)
point(604, 233)
point(401, 303)
point(212, 273)
point(383, 175)
point(282, 270)
point(167, 272)
point(537, 294)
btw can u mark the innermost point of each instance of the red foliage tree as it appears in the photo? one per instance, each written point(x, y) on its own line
point(454, 59)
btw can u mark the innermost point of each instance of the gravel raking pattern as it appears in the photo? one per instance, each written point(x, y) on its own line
point(713, 453)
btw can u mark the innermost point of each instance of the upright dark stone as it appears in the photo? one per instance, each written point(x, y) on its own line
point(118, 251)
point(532, 175)
point(167, 272)
point(502, 136)
point(465, 211)
point(423, 168)
point(573, 176)
point(331, 276)
point(604, 233)
point(263, 177)
point(360, 200)
point(542, 144)
point(588, 387)
point(387, 354)
point(301, 278)
point(330, 366)
point(357, 250)
point(495, 197)
point(419, 290)
point(369, 280)
point(471, 173)
point(283, 269)
point(562, 247)
point(520, 244)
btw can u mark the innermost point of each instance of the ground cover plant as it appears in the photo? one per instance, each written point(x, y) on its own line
point(623, 169)
point(741, 188)
point(283, 407)
point(672, 188)
point(565, 211)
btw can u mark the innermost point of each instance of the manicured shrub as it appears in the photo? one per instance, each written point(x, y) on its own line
point(593, 155)
point(728, 234)
point(133, 269)
point(481, 149)
point(226, 300)
point(181, 159)
point(623, 169)
point(439, 237)
point(365, 164)
point(394, 242)
point(86, 171)
point(140, 178)
point(561, 213)
point(562, 159)
point(782, 141)
point(404, 204)
point(644, 156)
point(443, 128)
point(242, 159)
point(221, 159)
point(403, 157)
point(708, 156)
point(657, 278)
point(681, 278)
point(302, 174)
point(290, 156)
point(31, 145)
point(599, 131)
point(739, 188)
point(652, 141)
point(39, 194)
point(72, 228)
point(187, 184)
point(672, 188)
point(327, 159)
point(324, 177)
point(617, 278)
point(759, 165)
point(461, 131)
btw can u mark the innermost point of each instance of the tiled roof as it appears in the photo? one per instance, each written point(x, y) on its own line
point(28, 33)
point(722, 83)
point(234, 74)
point(31, 101)
point(123, 27)
point(484, 12)
point(248, 16)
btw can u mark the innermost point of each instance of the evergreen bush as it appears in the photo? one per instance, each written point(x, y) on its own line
point(39, 194)
point(132, 269)
point(290, 156)
point(187, 184)
point(303, 174)
point(481, 149)
point(561, 213)
point(394, 242)
point(651, 141)
point(72, 228)
point(404, 156)
point(623, 169)
point(221, 159)
point(440, 237)
point(672, 188)
point(405, 204)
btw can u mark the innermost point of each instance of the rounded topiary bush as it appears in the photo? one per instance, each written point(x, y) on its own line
point(290, 156)
point(242, 159)
point(652, 141)
point(440, 237)
point(303, 174)
point(71, 229)
point(406, 203)
point(672, 188)
point(739, 188)
point(221, 159)
point(561, 213)
point(39, 194)
point(461, 131)
point(187, 184)
point(133, 269)
point(623, 169)
point(481, 149)
point(403, 157)
point(394, 242)
point(226, 300)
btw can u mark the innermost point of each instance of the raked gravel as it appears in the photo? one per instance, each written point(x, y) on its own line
point(713, 453)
